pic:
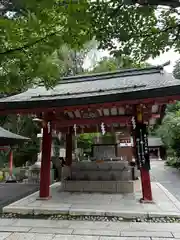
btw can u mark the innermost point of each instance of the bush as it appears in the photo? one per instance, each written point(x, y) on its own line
point(173, 162)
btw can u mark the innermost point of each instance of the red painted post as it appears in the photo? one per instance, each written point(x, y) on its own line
point(69, 146)
point(45, 162)
point(145, 176)
point(146, 185)
point(10, 162)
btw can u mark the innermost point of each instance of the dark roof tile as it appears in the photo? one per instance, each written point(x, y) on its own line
point(9, 138)
point(96, 85)
point(111, 83)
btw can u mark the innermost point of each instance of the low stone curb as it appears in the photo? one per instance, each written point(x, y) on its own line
point(35, 211)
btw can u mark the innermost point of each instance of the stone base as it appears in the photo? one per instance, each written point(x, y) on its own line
point(11, 179)
point(98, 186)
point(146, 201)
point(44, 198)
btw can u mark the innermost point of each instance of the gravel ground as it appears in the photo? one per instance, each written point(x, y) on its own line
point(93, 218)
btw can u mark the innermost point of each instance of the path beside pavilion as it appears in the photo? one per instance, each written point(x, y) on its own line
point(169, 177)
point(11, 229)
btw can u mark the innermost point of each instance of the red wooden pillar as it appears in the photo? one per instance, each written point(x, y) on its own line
point(11, 178)
point(146, 186)
point(145, 176)
point(10, 162)
point(45, 162)
point(69, 146)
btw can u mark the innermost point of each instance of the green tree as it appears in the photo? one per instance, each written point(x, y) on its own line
point(29, 39)
point(176, 70)
point(85, 140)
point(116, 63)
point(72, 60)
point(142, 31)
point(169, 131)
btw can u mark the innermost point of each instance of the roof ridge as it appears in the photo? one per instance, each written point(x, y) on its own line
point(107, 75)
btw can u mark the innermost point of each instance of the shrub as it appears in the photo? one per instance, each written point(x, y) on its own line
point(173, 162)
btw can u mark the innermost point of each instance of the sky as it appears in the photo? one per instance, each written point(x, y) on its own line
point(168, 56)
point(171, 56)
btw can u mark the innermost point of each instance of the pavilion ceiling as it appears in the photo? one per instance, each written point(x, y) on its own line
point(113, 117)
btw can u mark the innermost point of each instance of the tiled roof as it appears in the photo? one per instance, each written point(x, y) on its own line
point(96, 85)
point(9, 138)
point(155, 142)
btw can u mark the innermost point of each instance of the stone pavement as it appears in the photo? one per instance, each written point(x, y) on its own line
point(96, 204)
point(35, 229)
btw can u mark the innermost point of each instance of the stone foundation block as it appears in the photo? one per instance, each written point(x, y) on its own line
point(109, 186)
point(98, 186)
point(93, 186)
point(125, 186)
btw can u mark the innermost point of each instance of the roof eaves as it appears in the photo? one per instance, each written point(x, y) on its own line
point(98, 99)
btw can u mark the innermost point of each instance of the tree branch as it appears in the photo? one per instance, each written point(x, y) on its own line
point(160, 31)
point(28, 45)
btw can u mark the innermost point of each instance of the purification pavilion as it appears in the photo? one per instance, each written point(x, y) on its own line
point(127, 99)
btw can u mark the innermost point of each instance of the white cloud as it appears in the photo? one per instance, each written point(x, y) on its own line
point(171, 56)
point(168, 56)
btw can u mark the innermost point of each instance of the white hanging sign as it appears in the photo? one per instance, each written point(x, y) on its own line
point(49, 127)
point(75, 128)
point(59, 135)
point(103, 128)
point(133, 120)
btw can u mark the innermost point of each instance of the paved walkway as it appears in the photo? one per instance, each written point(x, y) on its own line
point(127, 205)
point(167, 176)
point(27, 229)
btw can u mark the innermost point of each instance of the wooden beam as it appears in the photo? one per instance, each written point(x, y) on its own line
point(89, 121)
point(92, 129)
point(160, 101)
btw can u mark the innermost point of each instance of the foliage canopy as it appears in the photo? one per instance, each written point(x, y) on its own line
point(176, 71)
point(31, 31)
